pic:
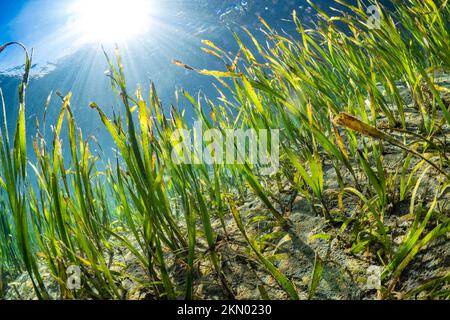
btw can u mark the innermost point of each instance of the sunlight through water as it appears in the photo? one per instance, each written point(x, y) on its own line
point(111, 20)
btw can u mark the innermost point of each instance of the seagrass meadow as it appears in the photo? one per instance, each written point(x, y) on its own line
point(359, 207)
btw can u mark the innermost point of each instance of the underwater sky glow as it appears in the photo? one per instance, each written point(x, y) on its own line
point(111, 20)
point(57, 28)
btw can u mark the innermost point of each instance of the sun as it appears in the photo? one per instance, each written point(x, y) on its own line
point(111, 20)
